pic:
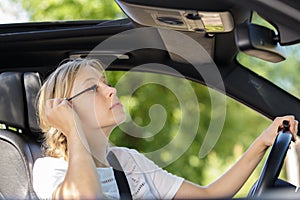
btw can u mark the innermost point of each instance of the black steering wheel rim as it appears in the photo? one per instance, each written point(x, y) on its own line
point(273, 165)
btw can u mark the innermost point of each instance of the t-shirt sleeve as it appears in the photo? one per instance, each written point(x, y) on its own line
point(47, 175)
point(165, 183)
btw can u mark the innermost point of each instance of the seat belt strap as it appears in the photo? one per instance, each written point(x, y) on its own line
point(121, 179)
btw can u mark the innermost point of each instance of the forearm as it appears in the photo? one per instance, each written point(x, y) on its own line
point(81, 180)
point(230, 183)
point(234, 178)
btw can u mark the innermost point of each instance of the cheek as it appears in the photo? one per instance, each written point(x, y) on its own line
point(94, 112)
point(86, 111)
point(101, 112)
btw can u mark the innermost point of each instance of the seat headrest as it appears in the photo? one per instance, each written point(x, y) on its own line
point(17, 100)
point(32, 85)
point(11, 99)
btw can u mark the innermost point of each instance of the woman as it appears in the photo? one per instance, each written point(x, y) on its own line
point(78, 111)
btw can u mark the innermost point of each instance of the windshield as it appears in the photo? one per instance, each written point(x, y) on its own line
point(42, 11)
point(282, 74)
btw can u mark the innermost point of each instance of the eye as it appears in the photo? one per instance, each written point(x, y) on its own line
point(94, 88)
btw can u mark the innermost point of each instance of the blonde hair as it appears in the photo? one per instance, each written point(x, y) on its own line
point(59, 85)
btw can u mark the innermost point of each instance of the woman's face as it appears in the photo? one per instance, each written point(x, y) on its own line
point(99, 108)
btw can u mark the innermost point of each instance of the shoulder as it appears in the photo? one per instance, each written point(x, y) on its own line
point(132, 159)
point(52, 160)
point(120, 151)
point(125, 154)
point(49, 163)
point(151, 177)
point(48, 173)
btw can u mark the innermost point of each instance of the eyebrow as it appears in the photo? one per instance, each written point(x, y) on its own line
point(87, 80)
point(101, 78)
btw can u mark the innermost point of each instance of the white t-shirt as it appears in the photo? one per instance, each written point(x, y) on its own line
point(146, 180)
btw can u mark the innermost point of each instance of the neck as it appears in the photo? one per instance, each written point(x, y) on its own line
point(98, 142)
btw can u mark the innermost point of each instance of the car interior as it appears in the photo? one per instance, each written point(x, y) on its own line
point(30, 51)
point(21, 145)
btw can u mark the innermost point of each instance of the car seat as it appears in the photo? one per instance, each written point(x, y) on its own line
point(19, 134)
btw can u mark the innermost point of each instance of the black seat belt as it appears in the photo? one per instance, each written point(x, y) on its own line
point(121, 179)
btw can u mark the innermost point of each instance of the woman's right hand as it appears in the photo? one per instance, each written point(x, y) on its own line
point(60, 115)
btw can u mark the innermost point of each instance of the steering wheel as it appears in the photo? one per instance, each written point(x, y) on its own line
point(273, 164)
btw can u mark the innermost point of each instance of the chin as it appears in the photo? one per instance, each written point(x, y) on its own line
point(120, 119)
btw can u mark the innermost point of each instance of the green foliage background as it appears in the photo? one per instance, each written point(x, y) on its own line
point(242, 125)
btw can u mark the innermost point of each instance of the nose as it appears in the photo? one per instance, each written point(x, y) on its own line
point(111, 91)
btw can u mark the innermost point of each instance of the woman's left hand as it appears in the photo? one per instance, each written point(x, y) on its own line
point(268, 136)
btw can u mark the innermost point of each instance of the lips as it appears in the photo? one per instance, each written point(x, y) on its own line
point(115, 105)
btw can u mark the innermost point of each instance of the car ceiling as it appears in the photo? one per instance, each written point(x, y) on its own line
point(41, 46)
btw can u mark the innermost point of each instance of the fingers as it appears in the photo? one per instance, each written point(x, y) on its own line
point(55, 106)
point(57, 101)
point(293, 124)
point(60, 115)
point(52, 103)
point(295, 129)
point(296, 126)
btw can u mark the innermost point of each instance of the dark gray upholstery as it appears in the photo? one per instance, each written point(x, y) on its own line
point(32, 84)
point(18, 142)
point(11, 99)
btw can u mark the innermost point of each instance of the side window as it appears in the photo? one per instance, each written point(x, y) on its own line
point(176, 123)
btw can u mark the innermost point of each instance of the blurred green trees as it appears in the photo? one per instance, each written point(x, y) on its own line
point(71, 9)
point(241, 127)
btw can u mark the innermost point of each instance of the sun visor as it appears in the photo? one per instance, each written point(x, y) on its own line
point(177, 19)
